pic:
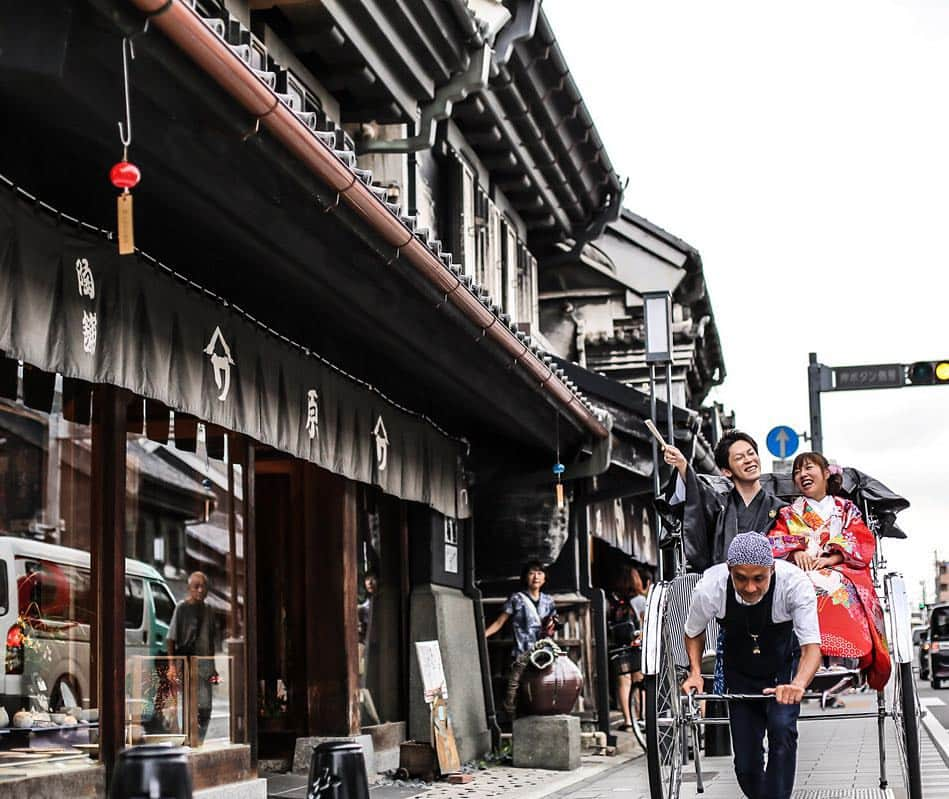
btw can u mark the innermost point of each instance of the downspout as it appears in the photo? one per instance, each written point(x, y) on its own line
point(482, 63)
point(184, 27)
point(521, 27)
point(471, 80)
point(472, 591)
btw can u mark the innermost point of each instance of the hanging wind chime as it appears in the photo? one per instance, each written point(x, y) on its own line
point(125, 175)
point(559, 470)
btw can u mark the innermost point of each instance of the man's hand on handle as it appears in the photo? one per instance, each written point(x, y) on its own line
point(674, 457)
point(694, 682)
point(792, 693)
point(789, 694)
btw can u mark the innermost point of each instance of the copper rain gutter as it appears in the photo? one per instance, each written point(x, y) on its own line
point(187, 30)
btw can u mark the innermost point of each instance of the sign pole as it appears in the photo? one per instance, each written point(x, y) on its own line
point(813, 395)
point(656, 487)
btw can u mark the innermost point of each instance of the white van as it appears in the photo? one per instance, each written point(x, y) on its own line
point(46, 607)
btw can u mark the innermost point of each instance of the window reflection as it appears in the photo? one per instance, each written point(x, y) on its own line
point(47, 602)
point(184, 517)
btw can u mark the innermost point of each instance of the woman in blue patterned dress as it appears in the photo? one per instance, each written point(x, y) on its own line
point(531, 611)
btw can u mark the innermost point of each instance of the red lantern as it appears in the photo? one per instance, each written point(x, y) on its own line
point(125, 175)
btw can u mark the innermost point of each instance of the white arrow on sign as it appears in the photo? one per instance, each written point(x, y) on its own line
point(782, 439)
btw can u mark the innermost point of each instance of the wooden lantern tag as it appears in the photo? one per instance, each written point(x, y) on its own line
point(125, 226)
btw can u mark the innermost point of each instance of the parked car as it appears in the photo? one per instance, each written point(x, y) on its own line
point(939, 645)
point(921, 645)
point(47, 604)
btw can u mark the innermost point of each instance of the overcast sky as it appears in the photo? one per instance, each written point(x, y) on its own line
point(803, 149)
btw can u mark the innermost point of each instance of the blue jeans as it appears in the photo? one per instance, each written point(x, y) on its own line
point(749, 723)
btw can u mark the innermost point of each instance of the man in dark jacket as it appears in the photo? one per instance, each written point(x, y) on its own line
point(191, 634)
point(714, 511)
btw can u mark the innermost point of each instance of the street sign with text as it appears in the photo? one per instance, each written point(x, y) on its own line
point(884, 375)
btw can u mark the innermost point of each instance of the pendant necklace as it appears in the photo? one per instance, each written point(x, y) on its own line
point(755, 649)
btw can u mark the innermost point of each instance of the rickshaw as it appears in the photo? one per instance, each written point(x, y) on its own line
point(673, 720)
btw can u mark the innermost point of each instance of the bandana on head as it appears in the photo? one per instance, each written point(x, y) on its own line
point(750, 549)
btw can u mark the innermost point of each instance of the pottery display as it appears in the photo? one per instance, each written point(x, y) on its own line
point(22, 719)
point(70, 720)
point(4, 717)
point(57, 718)
point(553, 689)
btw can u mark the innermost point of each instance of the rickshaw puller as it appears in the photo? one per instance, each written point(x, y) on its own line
point(770, 644)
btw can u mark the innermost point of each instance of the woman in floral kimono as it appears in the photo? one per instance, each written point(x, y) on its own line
point(826, 536)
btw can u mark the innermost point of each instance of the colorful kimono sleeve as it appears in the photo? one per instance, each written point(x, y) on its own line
point(855, 542)
point(787, 535)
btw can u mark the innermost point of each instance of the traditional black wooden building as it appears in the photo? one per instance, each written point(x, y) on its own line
point(332, 305)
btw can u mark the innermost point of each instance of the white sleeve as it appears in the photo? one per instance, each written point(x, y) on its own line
point(678, 496)
point(705, 601)
point(802, 608)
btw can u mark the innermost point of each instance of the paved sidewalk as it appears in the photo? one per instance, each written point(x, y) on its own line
point(490, 783)
point(837, 759)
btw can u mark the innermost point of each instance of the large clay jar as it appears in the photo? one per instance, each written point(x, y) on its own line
point(554, 689)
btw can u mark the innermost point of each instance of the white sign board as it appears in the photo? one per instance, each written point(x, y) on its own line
point(451, 547)
point(430, 666)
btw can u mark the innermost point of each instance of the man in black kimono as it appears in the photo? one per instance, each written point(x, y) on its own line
point(714, 510)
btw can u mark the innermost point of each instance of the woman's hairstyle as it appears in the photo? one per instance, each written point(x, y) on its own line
point(835, 482)
point(725, 443)
point(532, 566)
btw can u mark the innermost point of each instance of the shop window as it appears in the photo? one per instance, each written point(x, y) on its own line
point(184, 518)
point(47, 610)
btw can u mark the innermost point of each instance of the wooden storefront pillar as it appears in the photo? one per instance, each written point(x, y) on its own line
point(107, 552)
point(245, 454)
point(331, 635)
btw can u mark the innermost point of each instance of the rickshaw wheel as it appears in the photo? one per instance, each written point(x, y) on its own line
point(638, 714)
point(664, 726)
point(907, 719)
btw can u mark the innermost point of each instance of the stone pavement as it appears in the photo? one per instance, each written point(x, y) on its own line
point(491, 783)
point(837, 759)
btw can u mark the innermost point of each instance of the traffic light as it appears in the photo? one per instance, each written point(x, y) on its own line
point(928, 373)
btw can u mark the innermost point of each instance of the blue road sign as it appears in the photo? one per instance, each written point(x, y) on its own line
point(782, 441)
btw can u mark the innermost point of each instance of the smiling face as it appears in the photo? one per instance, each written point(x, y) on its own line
point(751, 582)
point(811, 479)
point(744, 465)
point(535, 580)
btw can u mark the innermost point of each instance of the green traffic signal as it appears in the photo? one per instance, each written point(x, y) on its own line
point(921, 373)
point(928, 373)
